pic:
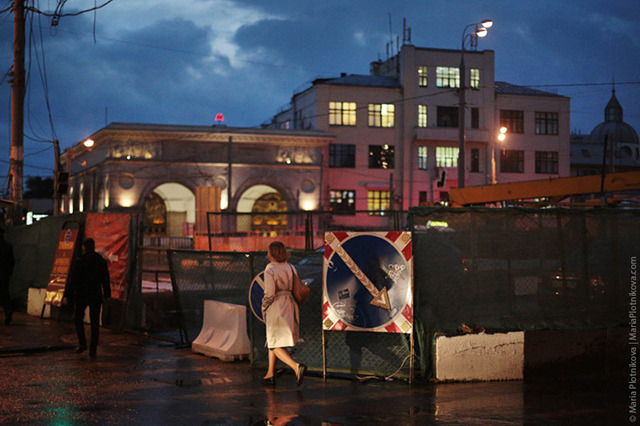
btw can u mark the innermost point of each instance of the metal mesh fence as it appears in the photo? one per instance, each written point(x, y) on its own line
point(198, 276)
point(492, 269)
point(516, 269)
point(229, 231)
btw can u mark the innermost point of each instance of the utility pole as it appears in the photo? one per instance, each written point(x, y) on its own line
point(17, 105)
point(56, 177)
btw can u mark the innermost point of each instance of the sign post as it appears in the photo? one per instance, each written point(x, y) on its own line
point(61, 268)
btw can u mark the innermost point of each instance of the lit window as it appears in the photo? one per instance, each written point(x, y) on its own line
point(447, 77)
point(475, 78)
point(422, 116)
point(342, 200)
point(422, 157)
point(511, 161)
point(447, 156)
point(546, 123)
point(381, 115)
point(547, 162)
point(381, 156)
point(377, 202)
point(342, 113)
point(422, 76)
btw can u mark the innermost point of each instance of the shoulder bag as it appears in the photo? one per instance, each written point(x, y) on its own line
point(300, 291)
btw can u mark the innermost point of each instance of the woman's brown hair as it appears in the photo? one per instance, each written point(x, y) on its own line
point(278, 251)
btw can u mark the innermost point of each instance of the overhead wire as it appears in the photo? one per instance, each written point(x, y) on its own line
point(57, 14)
point(45, 81)
point(37, 51)
point(28, 86)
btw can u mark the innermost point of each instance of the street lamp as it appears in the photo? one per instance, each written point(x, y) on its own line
point(502, 135)
point(479, 30)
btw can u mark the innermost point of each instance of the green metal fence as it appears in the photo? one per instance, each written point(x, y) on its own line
point(493, 269)
point(523, 269)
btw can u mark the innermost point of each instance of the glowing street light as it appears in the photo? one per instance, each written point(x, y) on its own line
point(88, 143)
point(487, 23)
point(502, 135)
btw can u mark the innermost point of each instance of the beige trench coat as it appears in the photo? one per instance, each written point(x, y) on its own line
point(279, 308)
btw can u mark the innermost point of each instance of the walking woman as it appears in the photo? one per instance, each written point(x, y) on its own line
point(280, 312)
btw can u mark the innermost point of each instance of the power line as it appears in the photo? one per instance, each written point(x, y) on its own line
point(57, 14)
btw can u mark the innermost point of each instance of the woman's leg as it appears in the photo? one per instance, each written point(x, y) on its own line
point(271, 370)
point(283, 355)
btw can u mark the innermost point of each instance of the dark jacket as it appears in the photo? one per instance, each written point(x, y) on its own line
point(89, 280)
point(6, 261)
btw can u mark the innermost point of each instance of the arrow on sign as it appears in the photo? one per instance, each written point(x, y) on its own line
point(380, 297)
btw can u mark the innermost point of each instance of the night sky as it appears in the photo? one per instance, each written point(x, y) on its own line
point(183, 62)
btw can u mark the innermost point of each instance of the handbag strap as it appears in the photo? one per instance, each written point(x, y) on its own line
point(293, 280)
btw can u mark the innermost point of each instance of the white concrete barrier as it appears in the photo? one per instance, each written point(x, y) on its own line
point(35, 302)
point(479, 357)
point(224, 331)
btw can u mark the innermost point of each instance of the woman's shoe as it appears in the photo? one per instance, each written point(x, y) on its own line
point(269, 381)
point(300, 374)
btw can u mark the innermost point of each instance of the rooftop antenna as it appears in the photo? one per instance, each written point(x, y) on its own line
point(406, 32)
point(613, 84)
point(390, 34)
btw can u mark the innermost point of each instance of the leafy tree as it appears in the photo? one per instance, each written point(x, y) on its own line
point(38, 187)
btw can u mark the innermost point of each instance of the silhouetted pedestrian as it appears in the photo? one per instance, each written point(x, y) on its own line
point(6, 269)
point(89, 285)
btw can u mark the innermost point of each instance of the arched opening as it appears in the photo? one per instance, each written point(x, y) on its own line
point(155, 215)
point(267, 204)
point(170, 211)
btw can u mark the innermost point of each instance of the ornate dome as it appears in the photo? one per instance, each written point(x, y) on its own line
point(621, 134)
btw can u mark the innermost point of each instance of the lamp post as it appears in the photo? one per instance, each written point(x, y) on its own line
point(502, 135)
point(479, 30)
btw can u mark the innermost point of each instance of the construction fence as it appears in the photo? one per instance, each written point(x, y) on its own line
point(488, 269)
point(493, 269)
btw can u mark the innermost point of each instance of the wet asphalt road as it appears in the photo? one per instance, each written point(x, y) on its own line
point(140, 380)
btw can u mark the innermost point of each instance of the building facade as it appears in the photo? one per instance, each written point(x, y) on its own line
point(158, 169)
point(397, 135)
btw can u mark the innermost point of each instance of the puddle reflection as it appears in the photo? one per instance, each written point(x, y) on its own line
point(283, 407)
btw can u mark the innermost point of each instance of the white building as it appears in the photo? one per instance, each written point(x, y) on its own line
point(397, 137)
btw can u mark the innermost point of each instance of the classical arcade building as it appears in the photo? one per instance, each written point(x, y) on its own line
point(173, 175)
